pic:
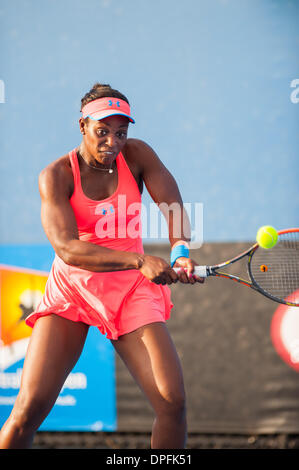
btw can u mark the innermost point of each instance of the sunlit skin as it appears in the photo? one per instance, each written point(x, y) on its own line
point(56, 342)
point(103, 140)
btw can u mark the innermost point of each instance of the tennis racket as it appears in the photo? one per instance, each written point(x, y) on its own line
point(273, 272)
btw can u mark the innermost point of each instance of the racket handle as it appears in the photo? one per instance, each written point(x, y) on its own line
point(200, 271)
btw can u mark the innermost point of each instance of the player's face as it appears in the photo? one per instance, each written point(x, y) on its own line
point(104, 139)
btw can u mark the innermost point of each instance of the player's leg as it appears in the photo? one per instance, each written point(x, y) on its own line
point(54, 348)
point(151, 358)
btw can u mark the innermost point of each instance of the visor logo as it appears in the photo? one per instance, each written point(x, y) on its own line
point(115, 103)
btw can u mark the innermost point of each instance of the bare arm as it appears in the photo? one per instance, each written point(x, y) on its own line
point(60, 226)
point(164, 191)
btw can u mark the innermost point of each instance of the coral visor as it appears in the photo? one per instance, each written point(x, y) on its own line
point(105, 107)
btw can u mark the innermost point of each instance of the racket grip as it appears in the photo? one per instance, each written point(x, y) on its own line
point(200, 271)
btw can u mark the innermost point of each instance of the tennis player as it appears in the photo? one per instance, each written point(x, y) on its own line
point(100, 275)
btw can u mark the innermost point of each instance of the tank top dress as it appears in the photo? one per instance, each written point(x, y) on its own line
point(116, 302)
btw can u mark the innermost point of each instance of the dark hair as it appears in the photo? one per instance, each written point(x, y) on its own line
point(101, 91)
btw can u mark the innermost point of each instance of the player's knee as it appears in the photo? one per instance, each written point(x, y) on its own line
point(28, 414)
point(173, 404)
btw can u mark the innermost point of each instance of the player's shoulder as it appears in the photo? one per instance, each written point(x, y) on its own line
point(137, 151)
point(61, 167)
point(134, 147)
point(57, 173)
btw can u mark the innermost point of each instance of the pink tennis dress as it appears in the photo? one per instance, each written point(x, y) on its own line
point(116, 302)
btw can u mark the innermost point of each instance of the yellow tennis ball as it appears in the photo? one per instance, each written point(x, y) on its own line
point(267, 237)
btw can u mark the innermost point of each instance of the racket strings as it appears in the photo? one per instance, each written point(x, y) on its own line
point(276, 271)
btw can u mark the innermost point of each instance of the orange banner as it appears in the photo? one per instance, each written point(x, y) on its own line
point(20, 292)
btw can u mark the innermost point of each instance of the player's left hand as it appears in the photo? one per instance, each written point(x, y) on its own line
point(185, 274)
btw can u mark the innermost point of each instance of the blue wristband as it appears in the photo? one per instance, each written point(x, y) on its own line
point(177, 252)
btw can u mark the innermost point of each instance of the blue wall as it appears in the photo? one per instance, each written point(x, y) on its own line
point(90, 407)
point(209, 84)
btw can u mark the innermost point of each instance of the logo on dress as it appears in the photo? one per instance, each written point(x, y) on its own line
point(105, 210)
point(105, 226)
point(119, 220)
